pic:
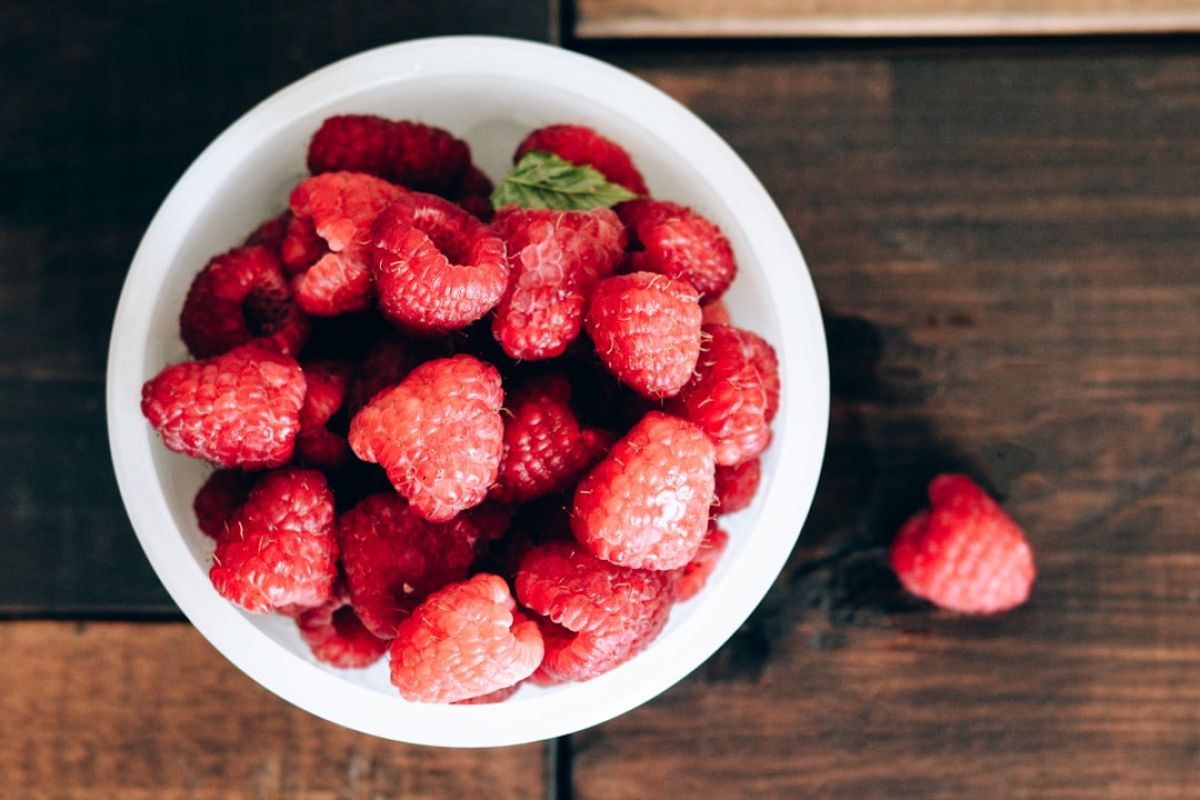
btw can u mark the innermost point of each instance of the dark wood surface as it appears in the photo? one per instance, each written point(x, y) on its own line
point(1006, 241)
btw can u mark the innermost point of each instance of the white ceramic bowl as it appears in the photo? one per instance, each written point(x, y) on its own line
point(491, 92)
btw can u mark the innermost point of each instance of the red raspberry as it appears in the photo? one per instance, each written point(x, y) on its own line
point(279, 548)
point(408, 153)
point(394, 558)
point(302, 246)
point(728, 398)
point(270, 234)
point(964, 554)
point(545, 449)
point(436, 267)
point(581, 145)
point(438, 434)
point(465, 641)
point(694, 575)
point(646, 504)
point(715, 313)
point(240, 409)
point(315, 443)
point(385, 366)
point(736, 486)
point(764, 361)
point(218, 498)
point(342, 207)
point(646, 328)
point(239, 296)
point(475, 193)
point(678, 242)
point(556, 259)
point(337, 637)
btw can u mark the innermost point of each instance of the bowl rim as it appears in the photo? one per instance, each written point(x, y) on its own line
point(788, 494)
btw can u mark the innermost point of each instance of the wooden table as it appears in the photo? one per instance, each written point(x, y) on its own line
point(1005, 236)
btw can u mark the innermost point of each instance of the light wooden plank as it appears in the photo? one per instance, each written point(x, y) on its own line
point(602, 19)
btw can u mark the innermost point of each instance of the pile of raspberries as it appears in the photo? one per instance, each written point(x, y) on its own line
point(493, 444)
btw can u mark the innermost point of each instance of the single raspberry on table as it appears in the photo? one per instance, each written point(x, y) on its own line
point(438, 434)
point(220, 496)
point(393, 557)
point(646, 329)
point(464, 641)
point(336, 636)
point(271, 233)
point(676, 241)
point(408, 153)
point(315, 443)
point(241, 296)
point(556, 258)
point(694, 575)
point(728, 397)
point(239, 409)
point(436, 267)
point(342, 207)
point(545, 448)
point(964, 553)
point(646, 503)
point(582, 145)
point(736, 486)
point(279, 549)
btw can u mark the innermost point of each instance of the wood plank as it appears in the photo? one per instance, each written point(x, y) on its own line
point(152, 712)
point(1005, 249)
point(609, 19)
point(105, 105)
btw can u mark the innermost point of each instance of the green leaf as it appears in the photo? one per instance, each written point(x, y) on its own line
point(543, 180)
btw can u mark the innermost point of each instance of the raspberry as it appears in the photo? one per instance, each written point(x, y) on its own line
point(279, 549)
point(385, 366)
point(498, 696)
point(728, 398)
point(475, 193)
point(582, 656)
point(582, 145)
point(678, 242)
point(218, 498)
point(315, 443)
point(336, 636)
point(545, 449)
point(438, 434)
point(691, 579)
point(436, 267)
point(736, 486)
point(302, 246)
point(715, 313)
point(408, 153)
point(394, 558)
point(240, 409)
point(342, 206)
point(764, 361)
point(646, 504)
point(465, 641)
point(270, 234)
point(646, 329)
point(239, 296)
point(965, 553)
point(556, 259)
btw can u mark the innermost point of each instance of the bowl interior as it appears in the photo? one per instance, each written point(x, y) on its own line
point(248, 180)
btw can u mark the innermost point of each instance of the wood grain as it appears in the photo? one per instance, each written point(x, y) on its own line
point(1005, 245)
point(151, 712)
point(606, 19)
point(105, 105)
